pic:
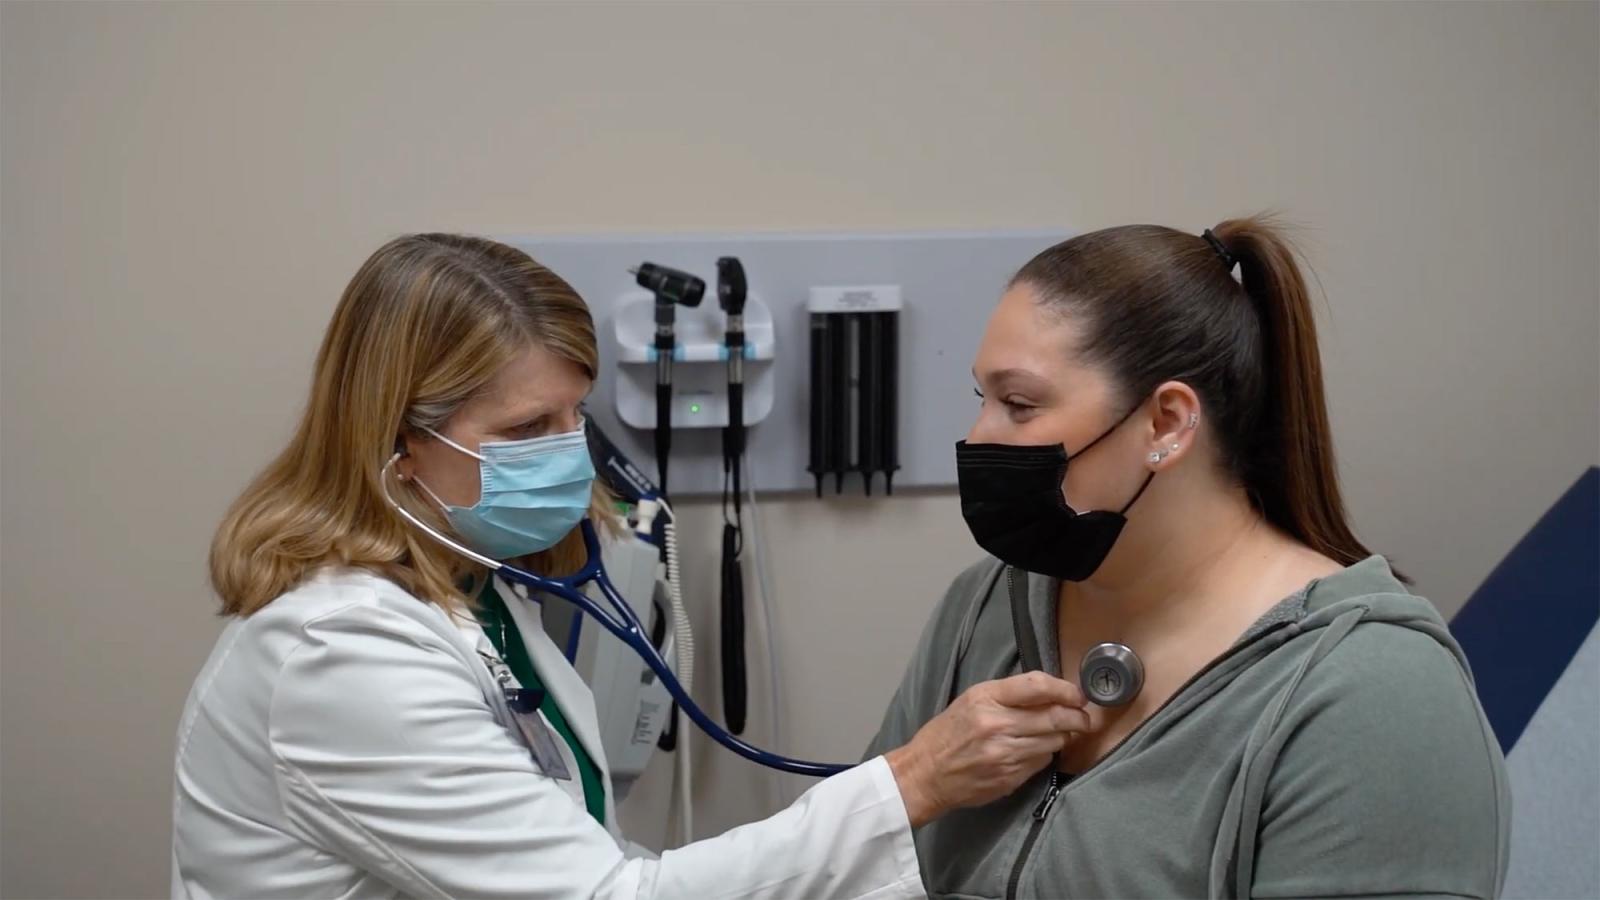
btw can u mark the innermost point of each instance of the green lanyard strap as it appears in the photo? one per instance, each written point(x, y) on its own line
point(507, 639)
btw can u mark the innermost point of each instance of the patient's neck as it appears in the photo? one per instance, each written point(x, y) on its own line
point(1185, 563)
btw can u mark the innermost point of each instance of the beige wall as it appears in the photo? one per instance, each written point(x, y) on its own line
point(187, 187)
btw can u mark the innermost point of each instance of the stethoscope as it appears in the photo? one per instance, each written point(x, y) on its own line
point(620, 621)
point(1110, 674)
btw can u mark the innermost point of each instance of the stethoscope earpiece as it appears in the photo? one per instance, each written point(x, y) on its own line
point(1111, 674)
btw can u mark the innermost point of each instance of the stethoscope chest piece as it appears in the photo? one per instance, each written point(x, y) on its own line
point(1111, 675)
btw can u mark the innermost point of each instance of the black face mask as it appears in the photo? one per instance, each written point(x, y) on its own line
point(1011, 498)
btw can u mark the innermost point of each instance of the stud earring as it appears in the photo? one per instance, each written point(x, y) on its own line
point(1174, 448)
point(1194, 419)
point(1157, 456)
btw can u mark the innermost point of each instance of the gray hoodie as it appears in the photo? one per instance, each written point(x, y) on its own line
point(1338, 749)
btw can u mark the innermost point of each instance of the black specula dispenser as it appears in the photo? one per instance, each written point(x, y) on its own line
point(855, 372)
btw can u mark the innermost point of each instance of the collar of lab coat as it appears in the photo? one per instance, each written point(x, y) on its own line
point(566, 687)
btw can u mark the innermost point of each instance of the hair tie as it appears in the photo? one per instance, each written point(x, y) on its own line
point(1216, 244)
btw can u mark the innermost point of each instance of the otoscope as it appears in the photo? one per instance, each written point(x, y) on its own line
point(731, 291)
point(670, 287)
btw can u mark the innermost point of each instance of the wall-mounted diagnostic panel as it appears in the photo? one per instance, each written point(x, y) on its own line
point(853, 351)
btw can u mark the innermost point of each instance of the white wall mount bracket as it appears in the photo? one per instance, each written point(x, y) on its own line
point(699, 364)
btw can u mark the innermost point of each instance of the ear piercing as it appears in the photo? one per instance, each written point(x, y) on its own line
point(1194, 419)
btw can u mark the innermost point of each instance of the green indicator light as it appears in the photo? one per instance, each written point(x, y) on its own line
point(694, 407)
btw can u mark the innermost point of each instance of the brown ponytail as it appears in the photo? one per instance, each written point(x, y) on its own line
point(1291, 473)
point(1158, 304)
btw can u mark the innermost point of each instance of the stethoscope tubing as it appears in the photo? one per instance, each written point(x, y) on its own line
point(620, 622)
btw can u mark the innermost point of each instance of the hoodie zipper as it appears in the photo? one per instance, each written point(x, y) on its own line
point(1058, 779)
point(1052, 791)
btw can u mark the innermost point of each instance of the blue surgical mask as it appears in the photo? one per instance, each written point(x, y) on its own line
point(533, 493)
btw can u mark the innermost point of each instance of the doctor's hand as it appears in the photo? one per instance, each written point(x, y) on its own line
point(988, 742)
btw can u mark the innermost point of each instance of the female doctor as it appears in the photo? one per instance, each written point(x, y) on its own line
point(349, 735)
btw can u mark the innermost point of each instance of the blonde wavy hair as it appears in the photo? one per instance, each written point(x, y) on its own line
point(426, 323)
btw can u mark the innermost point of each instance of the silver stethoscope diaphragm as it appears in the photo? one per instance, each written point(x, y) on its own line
point(1111, 674)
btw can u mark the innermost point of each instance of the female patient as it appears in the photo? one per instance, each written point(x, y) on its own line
point(1306, 727)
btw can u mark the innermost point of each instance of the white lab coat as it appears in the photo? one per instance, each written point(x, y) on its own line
point(347, 741)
